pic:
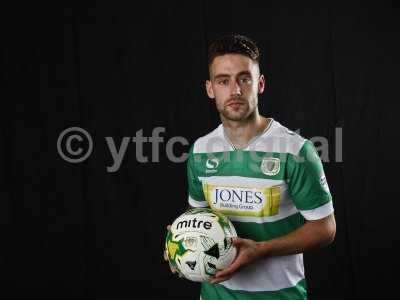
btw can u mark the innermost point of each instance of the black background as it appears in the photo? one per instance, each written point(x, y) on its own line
point(76, 231)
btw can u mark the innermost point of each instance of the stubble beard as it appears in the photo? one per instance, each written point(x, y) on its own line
point(241, 114)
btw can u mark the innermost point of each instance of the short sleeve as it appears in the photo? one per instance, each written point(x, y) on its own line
point(196, 196)
point(307, 183)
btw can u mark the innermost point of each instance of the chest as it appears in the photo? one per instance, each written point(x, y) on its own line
point(243, 182)
point(252, 164)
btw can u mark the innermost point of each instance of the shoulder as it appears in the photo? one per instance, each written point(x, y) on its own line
point(280, 139)
point(211, 142)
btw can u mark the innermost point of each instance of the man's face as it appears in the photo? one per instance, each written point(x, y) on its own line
point(235, 83)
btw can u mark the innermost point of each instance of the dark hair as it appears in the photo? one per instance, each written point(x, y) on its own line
point(233, 44)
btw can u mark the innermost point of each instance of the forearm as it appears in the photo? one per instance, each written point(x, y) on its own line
point(312, 235)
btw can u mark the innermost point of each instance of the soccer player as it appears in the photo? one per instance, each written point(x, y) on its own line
point(268, 180)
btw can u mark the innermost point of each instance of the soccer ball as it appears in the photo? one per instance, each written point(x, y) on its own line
point(199, 244)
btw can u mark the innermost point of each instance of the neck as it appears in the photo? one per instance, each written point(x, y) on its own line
point(241, 132)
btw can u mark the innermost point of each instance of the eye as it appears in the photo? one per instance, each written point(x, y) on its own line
point(223, 82)
point(245, 80)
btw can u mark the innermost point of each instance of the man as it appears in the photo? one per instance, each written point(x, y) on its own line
point(267, 179)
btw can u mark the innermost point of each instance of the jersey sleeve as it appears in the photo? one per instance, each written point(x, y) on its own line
point(196, 196)
point(307, 183)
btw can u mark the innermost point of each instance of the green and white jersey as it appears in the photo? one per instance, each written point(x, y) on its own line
point(267, 190)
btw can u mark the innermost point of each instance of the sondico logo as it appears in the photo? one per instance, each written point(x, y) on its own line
point(243, 200)
point(212, 165)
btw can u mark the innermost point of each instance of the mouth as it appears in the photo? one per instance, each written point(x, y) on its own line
point(234, 104)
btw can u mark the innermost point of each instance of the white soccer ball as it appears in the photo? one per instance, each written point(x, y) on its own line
point(199, 243)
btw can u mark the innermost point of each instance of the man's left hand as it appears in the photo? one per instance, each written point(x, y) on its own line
point(248, 251)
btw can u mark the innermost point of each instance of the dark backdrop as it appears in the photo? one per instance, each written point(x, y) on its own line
point(76, 231)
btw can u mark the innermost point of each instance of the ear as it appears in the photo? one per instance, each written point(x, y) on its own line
point(261, 84)
point(209, 89)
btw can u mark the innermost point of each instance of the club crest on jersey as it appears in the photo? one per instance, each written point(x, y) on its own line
point(270, 166)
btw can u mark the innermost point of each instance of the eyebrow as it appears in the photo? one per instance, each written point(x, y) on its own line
point(227, 75)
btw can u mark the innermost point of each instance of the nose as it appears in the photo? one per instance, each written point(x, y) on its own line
point(235, 88)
